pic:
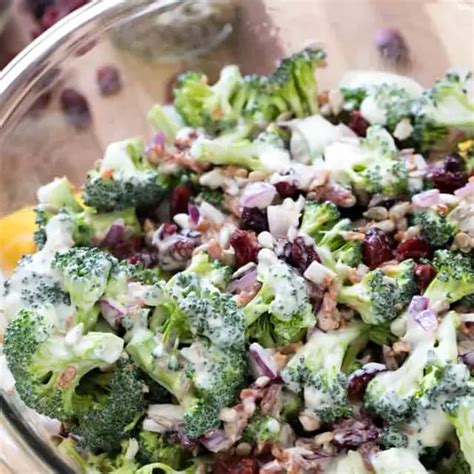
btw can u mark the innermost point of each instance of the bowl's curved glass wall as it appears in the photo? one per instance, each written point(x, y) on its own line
point(150, 42)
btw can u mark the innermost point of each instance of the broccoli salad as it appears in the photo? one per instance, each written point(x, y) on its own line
point(280, 281)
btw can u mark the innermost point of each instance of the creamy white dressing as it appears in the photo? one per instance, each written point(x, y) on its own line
point(118, 159)
point(350, 463)
point(372, 112)
point(284, 216)
point(397, 461)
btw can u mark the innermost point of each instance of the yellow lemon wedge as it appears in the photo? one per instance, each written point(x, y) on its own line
point(16, 237)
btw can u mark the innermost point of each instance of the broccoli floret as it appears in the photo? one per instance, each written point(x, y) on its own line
point(319, 218)
point(202, 377)
point(155, 447)
point(454, 280)
point(443, 108)
point(373, 164)
point(165, 119)
point(48, 368)
point(117, 400)
point(89, 226)
point(84, 272)
point(261, 428)
point(322, 381)
point(125, 179)
point(234, 148)
point(212, 196)
point(455, 464)
point(429, 374)
point(53, 197)
point(202, 105)
point(381, 294)
point(461, 414)
point(283, 301)
point(435, 226)
point(391, 437)
point(211, 270)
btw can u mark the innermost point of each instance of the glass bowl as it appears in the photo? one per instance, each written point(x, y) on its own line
point(150, 42)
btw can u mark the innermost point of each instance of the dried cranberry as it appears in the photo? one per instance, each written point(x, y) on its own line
point(245, 246)
point(424, 273)
point(108, 79)
point(358, 124)
point(179, 200)
point(416, 247)
point(359, 379)
point(286, 189)
point(57, 10)
point(75, 108)
point(468, 359)
point(376, 248)
point(254, 218)
point(353, 432)
point(447, 181)
point(182, 250)
point(168, 229)
point(299, 254)
point(454, 162)
point(38, 7)
point(233, 465)
point(391, 45)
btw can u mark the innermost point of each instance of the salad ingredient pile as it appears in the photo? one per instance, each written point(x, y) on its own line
point(280, 280)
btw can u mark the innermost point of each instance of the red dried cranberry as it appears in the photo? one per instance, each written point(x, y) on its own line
point(286, 189)
point(447, 181)
point(179, 200)
point(182, 250)
point(245, 246)
point(108, 79)
point(358, 124)
point(299, 254)
point(168, 229)
point(38, 7)
point(75, 108)
point(353, 432)
point(416, 247)
point(233, 465)
point(391, 45)
point(376, 248)
point(424, 273)
point(454, 162)
point(254, 218)
point(359, 379)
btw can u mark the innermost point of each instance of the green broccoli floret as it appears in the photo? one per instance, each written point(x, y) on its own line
point(202, 377)
point(375, 164)
point(445, 107)
point(321, 380)
point(48, 368)
point(84, 272)
point(455, 464)
point(454, 280)
point(428, 376)
point(151, 468)
point(125, 179)
point(435, 226)
point(234, 148)
point(461, 414)
point(117, 462)
point(210, 270)
point(202, 105)
point(381, 294)
point(319, 218)
point(280, 312)
point(391, 437)
point(212, 196)
point(261, 428)
point(89, 226)
point(155, 447)
point(165, 119)
point(116, 402)
point(53, 197)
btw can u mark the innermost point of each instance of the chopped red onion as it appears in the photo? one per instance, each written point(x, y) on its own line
point(468, 359)
point(261, 363)
point(465, 191)
point(115, 234)
point(215, 441)
point(272, 467)
point(418, 304)
point(111, 311)
point(427, 320)
point(426, 198)
point(259, 194)
point(193, 212)
point(245, 282)
point(158, 140)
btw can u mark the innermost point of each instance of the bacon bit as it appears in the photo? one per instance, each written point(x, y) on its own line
point(323, 97)
point(246, 296)
point(291, 348)
point(271, 403)
point(67, 377)
point(214, 249)
point(155, 153)
point(185, 142)
point(107, 174)
point(203, 225)
point(320, 179)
